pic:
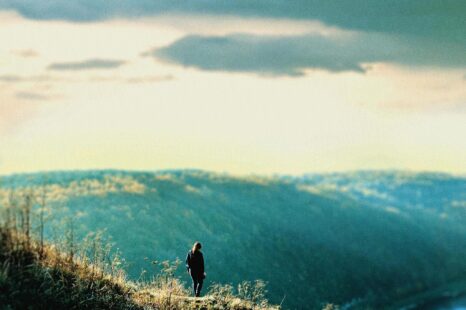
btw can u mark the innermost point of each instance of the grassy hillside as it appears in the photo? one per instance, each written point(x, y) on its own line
point(44, 279)
point(35, 275)
point(365, 238)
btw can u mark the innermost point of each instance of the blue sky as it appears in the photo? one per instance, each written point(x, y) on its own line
point(244, 86)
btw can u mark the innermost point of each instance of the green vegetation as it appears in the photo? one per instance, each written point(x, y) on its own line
point(364, 239)
point(37, 275)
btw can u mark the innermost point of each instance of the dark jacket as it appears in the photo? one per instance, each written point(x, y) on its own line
point(195, 263)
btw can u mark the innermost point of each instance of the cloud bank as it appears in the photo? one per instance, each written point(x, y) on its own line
point(418, 17)
point(292, 55)
point(415, 32)
point(443, 20)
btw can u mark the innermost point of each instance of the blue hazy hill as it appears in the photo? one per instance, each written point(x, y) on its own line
point(362, 238)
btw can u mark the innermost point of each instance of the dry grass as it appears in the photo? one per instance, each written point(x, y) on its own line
point(89, 274)
point(41, 276)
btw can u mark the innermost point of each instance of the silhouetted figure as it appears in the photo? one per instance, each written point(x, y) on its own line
point(195, 267)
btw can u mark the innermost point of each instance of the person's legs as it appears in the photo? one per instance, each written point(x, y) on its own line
point(195, 284)
point(200, 281)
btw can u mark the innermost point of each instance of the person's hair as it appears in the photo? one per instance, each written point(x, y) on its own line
point(196, 247)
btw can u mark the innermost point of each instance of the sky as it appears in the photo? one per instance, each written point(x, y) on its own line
point(244, 87)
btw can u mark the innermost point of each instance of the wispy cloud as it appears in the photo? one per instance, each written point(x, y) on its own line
point(27, 53)
point(131, 79)
point(292, 55)
point(31, 96)
point(90, 64)
point(14, 78)
point(149, 79)
point(10, 78)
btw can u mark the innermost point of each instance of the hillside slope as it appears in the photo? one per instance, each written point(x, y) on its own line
point(366, 238)
point(39, 276)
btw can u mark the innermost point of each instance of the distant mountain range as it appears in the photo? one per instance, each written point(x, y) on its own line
point(355, 239)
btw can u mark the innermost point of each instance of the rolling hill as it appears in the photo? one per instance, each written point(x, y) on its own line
point(363, 239)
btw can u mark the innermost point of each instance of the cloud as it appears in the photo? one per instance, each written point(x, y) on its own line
point(133, 79)
point(31, 96)
point(10, 78)
point(264, 55)
point(137, 79)
point(100, 64)
point(149, 79)
point(441, 20)
point(428, 32)
point(14, 78)
point(27, 53)
point(292, 55)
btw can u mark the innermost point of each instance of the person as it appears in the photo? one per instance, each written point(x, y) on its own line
point(195, 267)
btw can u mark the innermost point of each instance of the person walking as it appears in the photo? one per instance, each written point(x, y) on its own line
point(195, 267)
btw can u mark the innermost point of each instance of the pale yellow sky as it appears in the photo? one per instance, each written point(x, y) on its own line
point(146, 114)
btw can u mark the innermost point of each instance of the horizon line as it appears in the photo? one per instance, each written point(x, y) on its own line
point(234, 174)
